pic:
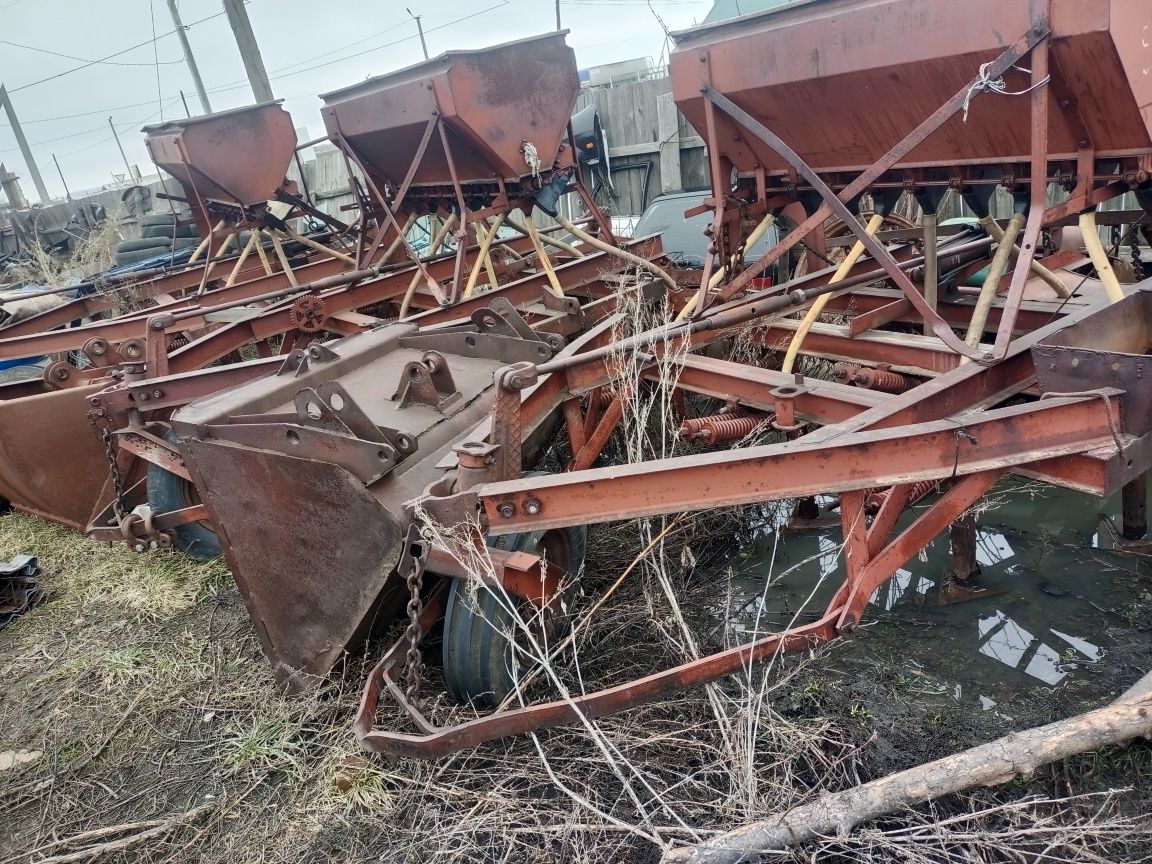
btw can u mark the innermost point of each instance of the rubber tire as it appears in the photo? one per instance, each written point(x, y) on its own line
point(157, 219)
point(168, 492)
point(144, 243)
point(477, 657)
point(125, 258)
point(169, 231)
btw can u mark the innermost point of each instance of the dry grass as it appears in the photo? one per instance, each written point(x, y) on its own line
point(93, 254)
point(141, 684)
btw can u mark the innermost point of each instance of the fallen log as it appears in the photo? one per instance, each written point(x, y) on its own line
point(1018, 753)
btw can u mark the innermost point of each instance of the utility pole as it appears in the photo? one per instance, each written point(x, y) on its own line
point(25, 150)
point(10, 183)
point(420, 30)
point(123, 156)
point(184, 99)
point(249, 50)
point(67, 194)
point(189, 58)
point(558, 27)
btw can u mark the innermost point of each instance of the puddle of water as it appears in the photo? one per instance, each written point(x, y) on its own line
point(1048, 624)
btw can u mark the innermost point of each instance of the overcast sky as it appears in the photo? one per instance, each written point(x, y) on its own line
point(308, 46)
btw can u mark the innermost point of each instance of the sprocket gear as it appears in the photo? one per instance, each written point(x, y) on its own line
point(309, 314)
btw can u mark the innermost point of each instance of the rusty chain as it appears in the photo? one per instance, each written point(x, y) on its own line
point(117, 479)
point(411, 567)
point(118, 503)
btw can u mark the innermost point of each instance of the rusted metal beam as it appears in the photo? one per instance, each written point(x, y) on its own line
point(990, 440)
point(819, 401)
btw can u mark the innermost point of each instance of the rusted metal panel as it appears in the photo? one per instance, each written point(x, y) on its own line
point(883, 64)
point(492, 101)
point(1112, 349)
point(51, 461)
point(235, 157)
point(310, 547)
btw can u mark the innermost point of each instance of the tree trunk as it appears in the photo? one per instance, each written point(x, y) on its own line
point(1019, 753)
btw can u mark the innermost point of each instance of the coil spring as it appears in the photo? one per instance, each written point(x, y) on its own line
point(719, 428)
point(919, 492)
point(882, 380)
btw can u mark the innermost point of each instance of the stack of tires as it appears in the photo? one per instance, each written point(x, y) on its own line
point(160, 236)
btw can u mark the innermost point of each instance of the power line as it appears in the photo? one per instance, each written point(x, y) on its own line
point(275, 76)
point(125, 128)
point(108, 57)
point(80, 59)
point(156, 56)
point(100, 111)
point(86, 131)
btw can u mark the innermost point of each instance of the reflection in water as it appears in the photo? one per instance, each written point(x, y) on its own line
point(982, 650)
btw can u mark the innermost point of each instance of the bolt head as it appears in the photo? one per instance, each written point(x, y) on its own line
point(532, 507)
point(156, 394)
point(506, 510)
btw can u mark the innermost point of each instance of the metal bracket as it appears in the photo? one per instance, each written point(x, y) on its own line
point(427, 381)
point(299, 360)
point(329, 407)
point(97, 350)
point(368, 461)
point(487, 346)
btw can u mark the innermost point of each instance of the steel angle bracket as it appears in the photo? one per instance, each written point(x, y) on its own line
point(328, 426)
point(486, 346)
point(367, 461)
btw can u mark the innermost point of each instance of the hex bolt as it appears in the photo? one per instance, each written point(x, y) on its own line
point(156, 394)
point(532, 506)
point(507, 510)
point(143, 397)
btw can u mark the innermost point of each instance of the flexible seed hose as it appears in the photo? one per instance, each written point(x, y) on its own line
point(481, 255)
point(433, 248)
point(1050, 279)
point(991, 281)
point(542, 255)
point(1100, 257)
point(718, 276)
point(398, 239)
point(818, 306)
point(623, 255)
point(574, 251)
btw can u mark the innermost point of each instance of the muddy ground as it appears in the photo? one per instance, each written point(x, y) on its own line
point(143, 705)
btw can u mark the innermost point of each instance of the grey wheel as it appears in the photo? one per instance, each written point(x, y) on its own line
point(168, 492)
point(482, 663)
